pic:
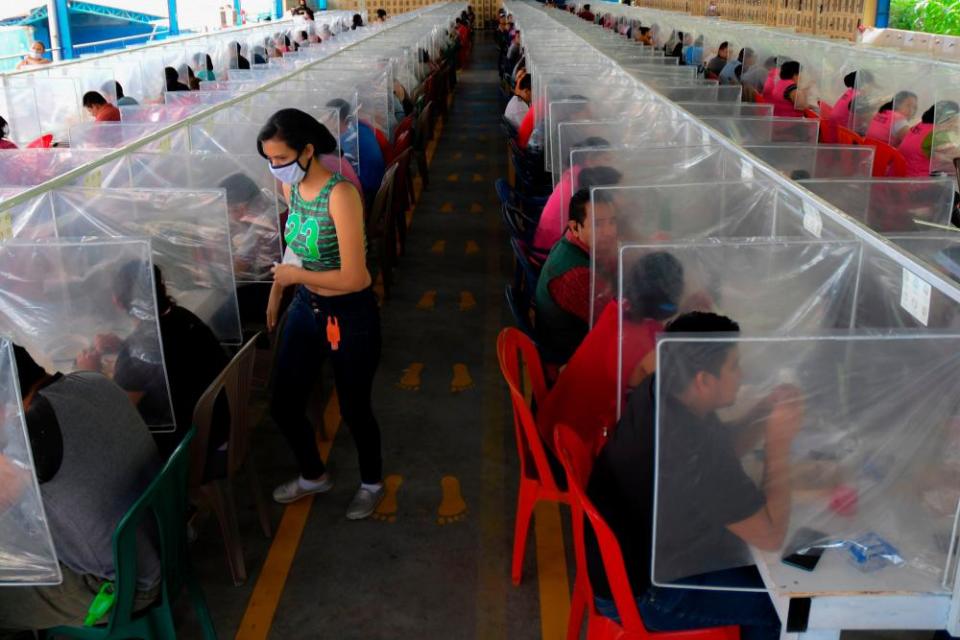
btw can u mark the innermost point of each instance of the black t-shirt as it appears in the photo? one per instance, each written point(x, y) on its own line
point(716, 65)
point(703, 488)
point(193, 358)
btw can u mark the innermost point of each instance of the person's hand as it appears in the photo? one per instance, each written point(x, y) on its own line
point(286, 274)
point(787, 409)
point(13, 479)
point(107, 343)
point(89, 360)
point(273, 309)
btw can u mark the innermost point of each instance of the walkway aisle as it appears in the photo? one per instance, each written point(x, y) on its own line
point(434, 563)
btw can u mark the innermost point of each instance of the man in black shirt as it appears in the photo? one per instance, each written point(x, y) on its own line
point(709, 509)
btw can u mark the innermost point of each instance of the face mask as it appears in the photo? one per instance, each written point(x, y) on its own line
point(290, 173)
point(35, 55)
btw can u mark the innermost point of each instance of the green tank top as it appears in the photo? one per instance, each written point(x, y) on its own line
point(310, 232)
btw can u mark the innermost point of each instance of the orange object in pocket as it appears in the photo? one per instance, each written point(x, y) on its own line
point(333, 332)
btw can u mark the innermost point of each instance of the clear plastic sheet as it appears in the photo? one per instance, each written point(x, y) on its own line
point(728, 109)
point(18, 106)
point(806, 161)
point(253, 203)
point(673, 213)
point(154, 113)
point(854, 435)
point(57, 297)
point(27, 554)
point(940, 249)
point(945, 141)
point(236, 138)
point(652, 130)
point(57, 101)
point(646, 167)
point(30, 167)
point(189, 234)
point(113, 135)
point(890, 205)
point(763, 130)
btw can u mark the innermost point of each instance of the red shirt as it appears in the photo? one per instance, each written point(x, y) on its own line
point(6, 144)
point(526, 128)
point(586, 391)
point(108, 113)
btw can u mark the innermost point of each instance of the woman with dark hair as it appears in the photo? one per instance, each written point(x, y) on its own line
point(584, 395)
point(204, 65)
point(334, 313)
point(4, 132)
point(240, 62)
point(172, 79)
point(929, 136)
point(357, 21)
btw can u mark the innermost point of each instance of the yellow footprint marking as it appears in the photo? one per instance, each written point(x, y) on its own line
point(93, 180)
point(453, 177)
point(478, 177)
point(446, 207)
point(410, 380)
point(386, 511)
point(467, 301)
point(479, 156)
point(472, 248)
point(453, 508)
point(476, 207)
point(428, 300)
point(461, 379)
point(439, 247)
point(457, 155)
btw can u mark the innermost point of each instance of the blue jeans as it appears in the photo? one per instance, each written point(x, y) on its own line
point(667, 609)
point(303, 348)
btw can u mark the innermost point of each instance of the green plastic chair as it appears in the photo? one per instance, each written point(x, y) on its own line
point(166, 500)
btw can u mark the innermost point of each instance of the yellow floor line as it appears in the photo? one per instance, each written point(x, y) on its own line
point(262, 606)
point(551, 571)
point(551, 560)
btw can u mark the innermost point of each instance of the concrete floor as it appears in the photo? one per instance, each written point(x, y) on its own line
point(441, 568)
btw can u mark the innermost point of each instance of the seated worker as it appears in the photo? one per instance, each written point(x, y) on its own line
point(357, 22)
point(733, 70)
point(172, 80)
point(381, 15)
point(5, 143)
point(238, 61)
point(99, 108)
point(192, 355)
point(754, 78)
point(555, 214)
point(93, 457)
point(716, 64)
point(930, 136)
point(563, 290)
point(586, 14)
point(34, 57)
point(520, 103)
point(892, 121)
point(371, 165)
point(842, 112)
point(123, 100)
point(585, 393)
point(714, 510)
point(204, 65)
point(302, 9)
point(694, 53)
point(788, 99)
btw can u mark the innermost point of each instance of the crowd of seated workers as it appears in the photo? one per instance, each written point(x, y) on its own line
point(598, 357)
point(89, 428)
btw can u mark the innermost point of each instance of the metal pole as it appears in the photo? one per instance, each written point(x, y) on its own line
point(61, 16)
point(236, 10)
point(883, 13)
point(278, 9)
point(54, 29)
point(172, 13)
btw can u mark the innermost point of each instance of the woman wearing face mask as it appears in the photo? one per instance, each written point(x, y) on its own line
point(334, 311)
point(34, 57)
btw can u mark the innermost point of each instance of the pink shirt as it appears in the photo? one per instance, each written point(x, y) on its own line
point(556, 212)
point(918, 161)
point(885, 124)
point(840, 114)
point(782, 106)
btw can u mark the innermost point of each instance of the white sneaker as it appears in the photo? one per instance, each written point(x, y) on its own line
point(364, 503)
point(292, 490)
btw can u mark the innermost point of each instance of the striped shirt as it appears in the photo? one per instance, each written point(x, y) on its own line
point(310, 232)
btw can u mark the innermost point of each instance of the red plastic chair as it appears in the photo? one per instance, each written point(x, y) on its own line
point(828, 128)
point(846, 136)
point(888, 162)
point(43, 142)
point(384, 145)
point(536, 477)
point(405, 125)
point(758, 99)
point(577, 460)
